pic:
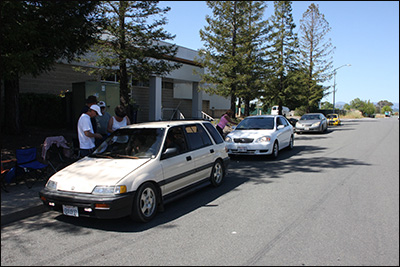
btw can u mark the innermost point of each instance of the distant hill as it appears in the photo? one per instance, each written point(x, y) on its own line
point(395, 107)
point(339, 105)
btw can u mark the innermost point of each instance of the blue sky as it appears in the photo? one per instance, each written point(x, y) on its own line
point(365, 34)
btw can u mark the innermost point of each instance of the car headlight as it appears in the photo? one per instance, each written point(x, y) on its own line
point(263, 139)
point(228, 139)
point(316, 124)
point(109, 189)
point(51, 185)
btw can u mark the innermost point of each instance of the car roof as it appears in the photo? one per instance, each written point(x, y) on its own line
point(263, 116)
point(163, 124)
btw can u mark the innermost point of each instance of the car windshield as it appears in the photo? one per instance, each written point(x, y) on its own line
point(332, 116)
point(256, 124)
point(131, 143)
point(309, 117)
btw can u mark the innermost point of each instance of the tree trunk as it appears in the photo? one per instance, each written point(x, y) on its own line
point(233, 104)
point(247, 106)
point(12, 121)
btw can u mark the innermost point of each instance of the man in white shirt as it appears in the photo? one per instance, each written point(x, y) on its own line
point(86, 134)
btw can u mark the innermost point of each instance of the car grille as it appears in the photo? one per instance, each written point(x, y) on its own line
point(243, 140)
point(245, 152)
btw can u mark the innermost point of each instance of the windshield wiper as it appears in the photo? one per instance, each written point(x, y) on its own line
point(100, 156)
point(124, 156)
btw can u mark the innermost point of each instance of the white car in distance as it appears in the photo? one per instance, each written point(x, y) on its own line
point(260, 135)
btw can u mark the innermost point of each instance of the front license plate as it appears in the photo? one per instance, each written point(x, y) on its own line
point(70, 211)
point(306, 128)
point(242, 149)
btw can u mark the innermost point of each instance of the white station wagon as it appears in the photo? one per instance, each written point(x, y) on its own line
point(139, 168)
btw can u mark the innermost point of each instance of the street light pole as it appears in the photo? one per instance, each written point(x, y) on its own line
point(334, 84)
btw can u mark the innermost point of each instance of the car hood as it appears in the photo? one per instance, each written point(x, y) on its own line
point(250, 133)
point(83, 175)
point(308, 121)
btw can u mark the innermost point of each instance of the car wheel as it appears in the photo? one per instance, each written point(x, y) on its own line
point(291, 143)
point(217, 173)
point(275, 150)
point(145, 203)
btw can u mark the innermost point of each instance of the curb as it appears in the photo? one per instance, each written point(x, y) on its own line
point(22, 214)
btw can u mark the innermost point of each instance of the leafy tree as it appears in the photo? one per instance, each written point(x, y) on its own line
point(366, 107)
point(233, 46)
point(252, 36)
point(383, 103)
point(315, 54)
point(131, 43)
point(326, 105)
point(386, 108)
point(357, 104)
point(34, 35)
point(282, 61)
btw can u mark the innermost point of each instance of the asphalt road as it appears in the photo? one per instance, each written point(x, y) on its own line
point(332, 200)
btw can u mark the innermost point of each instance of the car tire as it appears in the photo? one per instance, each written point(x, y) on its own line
point(217, 173)
point(275, 151)
point(145, 203)
point(291, 143)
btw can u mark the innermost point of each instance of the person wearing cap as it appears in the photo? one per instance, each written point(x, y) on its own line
point(91, 100)
point(102, 122)
point(86, 135)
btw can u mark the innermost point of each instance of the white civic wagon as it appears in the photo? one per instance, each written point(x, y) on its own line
point(139, 168)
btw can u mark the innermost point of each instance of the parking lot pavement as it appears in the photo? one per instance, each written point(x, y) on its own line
point(21, 202)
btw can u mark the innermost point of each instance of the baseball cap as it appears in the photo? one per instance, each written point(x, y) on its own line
point(102, 104)
point(97, 109)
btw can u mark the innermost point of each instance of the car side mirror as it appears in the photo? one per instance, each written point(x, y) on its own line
point(169, 152)
point(280, 127)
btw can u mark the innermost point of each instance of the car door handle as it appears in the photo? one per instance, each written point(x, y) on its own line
point(211, 150)
point(188, 158)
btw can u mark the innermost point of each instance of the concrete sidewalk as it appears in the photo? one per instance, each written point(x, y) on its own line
point(21, 202)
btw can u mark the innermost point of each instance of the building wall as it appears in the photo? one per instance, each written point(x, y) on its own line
point(54, 82)
point(179, 95)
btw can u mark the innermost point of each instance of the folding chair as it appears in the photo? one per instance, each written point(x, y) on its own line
point(32, 168)
point(7, 174)
point(55, 151)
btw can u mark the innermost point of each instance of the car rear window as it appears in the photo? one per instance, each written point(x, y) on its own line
point(214, 133)
point(197, 137)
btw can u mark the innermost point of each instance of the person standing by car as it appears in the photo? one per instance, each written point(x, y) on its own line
point(91, 100)
point(119, 120)
point(225, 119)
point(86, 135)
point(102, 122)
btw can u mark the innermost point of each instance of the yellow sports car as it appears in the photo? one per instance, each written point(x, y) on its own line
point(333, 119)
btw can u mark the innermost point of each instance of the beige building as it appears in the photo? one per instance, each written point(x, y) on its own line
point(173, 96)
